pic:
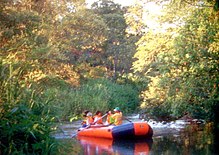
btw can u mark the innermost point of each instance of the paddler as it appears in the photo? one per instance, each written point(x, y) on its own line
point(89, 119)
point(117, 116)
point(84, 115)
point(109, 119)
point(98, 118)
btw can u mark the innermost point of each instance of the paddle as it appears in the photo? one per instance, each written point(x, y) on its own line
point(127, 119)
point(90, 124)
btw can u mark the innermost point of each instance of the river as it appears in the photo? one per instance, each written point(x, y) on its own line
point(178, 137)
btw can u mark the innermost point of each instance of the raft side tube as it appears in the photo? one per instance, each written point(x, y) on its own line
point(143, 129)
point(123, 131)
point(103, 132)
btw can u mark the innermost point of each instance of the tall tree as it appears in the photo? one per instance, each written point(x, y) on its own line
point(116, 45)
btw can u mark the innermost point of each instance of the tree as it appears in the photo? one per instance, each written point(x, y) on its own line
point(181, 62)
point(134, 18)
point(116, 45)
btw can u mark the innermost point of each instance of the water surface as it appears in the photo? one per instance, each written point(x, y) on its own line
point(178, 137)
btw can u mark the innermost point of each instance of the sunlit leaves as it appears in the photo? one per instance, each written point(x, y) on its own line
point(214, 46)
point(183, 72)
point(84, 30)
point(134, 19)
point(150, 46)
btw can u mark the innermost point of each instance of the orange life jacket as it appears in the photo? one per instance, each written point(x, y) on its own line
point(89, 120)
point(97, 117)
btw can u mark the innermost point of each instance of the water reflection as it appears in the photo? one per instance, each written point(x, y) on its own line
point(192, 141)
point(99, 146)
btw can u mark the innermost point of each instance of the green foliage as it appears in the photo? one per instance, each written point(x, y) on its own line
point(40, 42)
point(24, 132)
point(79, 32)
point(98, 94)
point(159, 113)
point(197, 63)
point(118, 48)
point(138, 83)
point(134, 18)
point(183, 67)
point(28, 57)
point(25, 123)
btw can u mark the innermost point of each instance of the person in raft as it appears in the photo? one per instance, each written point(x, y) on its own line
point(97, 118)
point(109, 119)
point(88, 119)
point(117, 116)
point(84, 115)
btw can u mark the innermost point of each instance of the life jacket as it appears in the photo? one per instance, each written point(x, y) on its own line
point(118, 118)
point(89, 120)
point(109, 119)
point(98, 119)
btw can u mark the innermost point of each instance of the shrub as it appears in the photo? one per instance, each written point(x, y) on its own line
point(98, 94)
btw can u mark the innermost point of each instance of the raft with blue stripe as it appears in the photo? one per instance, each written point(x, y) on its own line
point(133, 130)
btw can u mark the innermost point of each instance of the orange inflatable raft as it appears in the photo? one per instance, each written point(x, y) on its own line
point(132, 130)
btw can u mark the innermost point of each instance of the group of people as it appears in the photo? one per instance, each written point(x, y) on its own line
point(113, 118)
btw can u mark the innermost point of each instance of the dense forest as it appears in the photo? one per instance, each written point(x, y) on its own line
point(59, 58)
